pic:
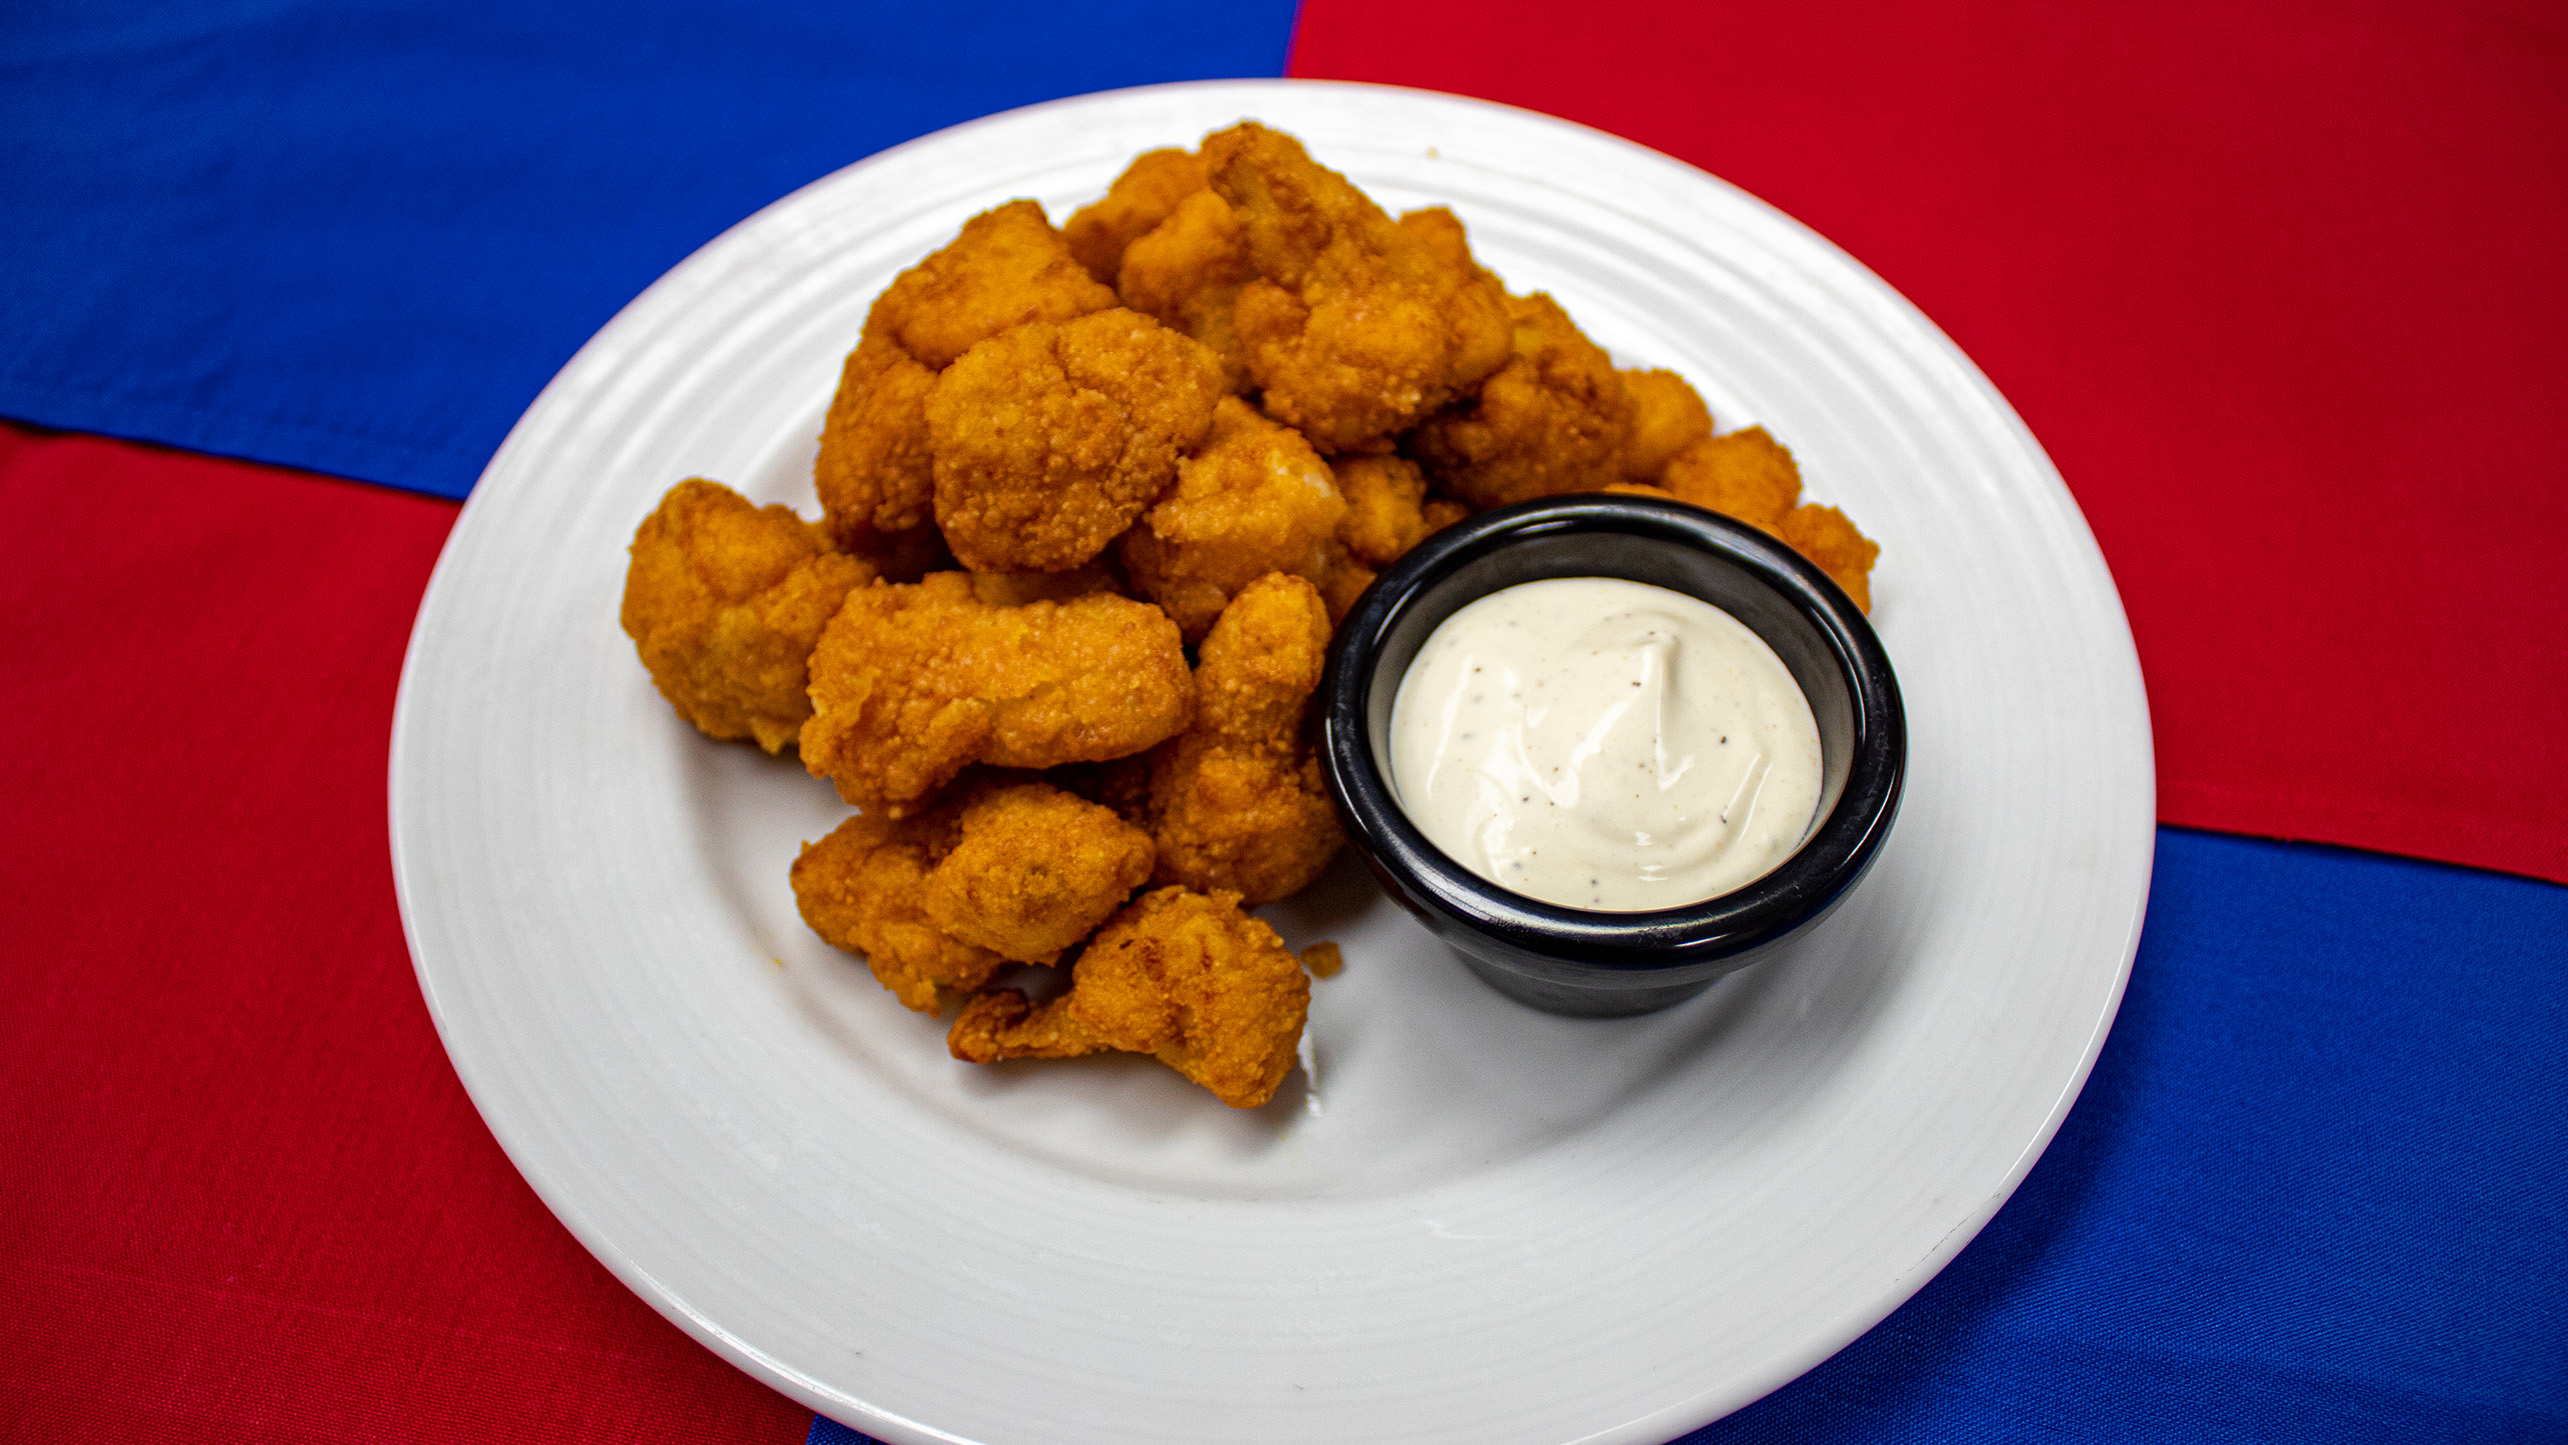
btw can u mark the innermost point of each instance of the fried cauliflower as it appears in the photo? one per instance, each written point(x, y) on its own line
point(1006, 269)
point(1049, 440)
point(1139, 200)
point(1668, 415)
point(1188, 272)
point(875, 475)
point(1386, 500)
point(912, 683)
point(1745, 474)
point(1237, 801)
point(1553, 421)
point(1823, 535)
point(1357, 326)
point(725, 601)
point(1256, 500)
point(1184, 977)
point(860, 889)
point(1032, 871)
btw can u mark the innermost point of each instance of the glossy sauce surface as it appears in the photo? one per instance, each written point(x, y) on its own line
point(1605, 744)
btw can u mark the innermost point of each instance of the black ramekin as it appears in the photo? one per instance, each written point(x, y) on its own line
point(1574, 960)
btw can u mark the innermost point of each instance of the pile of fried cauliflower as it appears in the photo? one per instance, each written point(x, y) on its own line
point(1195, 419)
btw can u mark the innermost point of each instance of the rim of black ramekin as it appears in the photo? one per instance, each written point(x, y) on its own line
point(1645, 944)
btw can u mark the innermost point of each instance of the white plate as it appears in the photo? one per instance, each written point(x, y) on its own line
point(1480, 1224)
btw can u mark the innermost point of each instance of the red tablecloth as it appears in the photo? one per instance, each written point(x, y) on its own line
point(2280, 288)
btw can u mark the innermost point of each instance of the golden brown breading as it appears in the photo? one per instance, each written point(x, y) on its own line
point(1033, 870)
point(1015, 589)
point(1552, 421)
point(725, 601)
point(873, 475)
point(1141, 198)
point(1188, 979)
point(1442, 230)
point(1237, 801)
point(1357, 326)
point(1823, 535)
point(1007, 268)
point(1255, 500)
point(1051, 439)
point(1122, 784)
point(1188, 272)
point(1442, 512)
point(860, 889)
point(911, 683)
point(1385, 506)
point(1344, 586)
point(1745, 474)
point(1668, 415)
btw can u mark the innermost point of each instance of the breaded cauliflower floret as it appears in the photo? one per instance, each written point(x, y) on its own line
point(1033, 870)
point(912, 683)
point(1748, 475)
point(1188, 979)
point(874, 475)
point(725, 601)
point(1006, 268)
point(1237, 801)
point(1357, 326)
point(1386, 498)
point(1823, 535)
point(1016, 589)
point(1256, 500)
point(1668, 415)
point(1051, 439)
point(860, 889)
point(1443, 232)
point(1141, 198)
point(1553, 421)
point(1745, 474)
point(1188, 272)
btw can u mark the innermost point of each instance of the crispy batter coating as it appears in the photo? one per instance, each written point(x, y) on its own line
point(1033, 870)
point(1188, 272)
point(859, 888)
point(1443, 232)
point(1443, 512)
point(1386, 500)
point(911, 683)
point(1236, 801)
point(1823, 535)
point(1007, 268)
point(1188, 979)
point(1256, 500)
point(873, 475)
point(1051, 439)
point(1668, 415)
point(725, 601)
point(1552, 421)
point(1141, 198)
point(1745, 474)
point(1357, 326)
point(1122, 784)
point(1015, 589)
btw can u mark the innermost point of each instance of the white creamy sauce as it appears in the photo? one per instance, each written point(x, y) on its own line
point(1606, 744)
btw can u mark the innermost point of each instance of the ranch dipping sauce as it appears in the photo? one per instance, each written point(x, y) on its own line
point(1605, 744)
